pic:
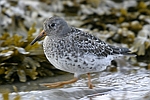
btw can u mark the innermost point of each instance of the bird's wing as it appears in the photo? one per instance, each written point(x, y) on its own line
point(87, 43)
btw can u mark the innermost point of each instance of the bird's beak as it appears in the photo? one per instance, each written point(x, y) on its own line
point(42, 34)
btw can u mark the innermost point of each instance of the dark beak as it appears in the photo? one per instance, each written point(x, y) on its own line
point(42, 34)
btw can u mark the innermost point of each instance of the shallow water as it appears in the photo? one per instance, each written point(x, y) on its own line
point(128, 83)
point(133, 84)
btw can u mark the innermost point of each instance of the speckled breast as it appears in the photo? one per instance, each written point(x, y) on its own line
point(67, 57)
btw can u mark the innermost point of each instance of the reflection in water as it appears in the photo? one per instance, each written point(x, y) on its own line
point(118, 85)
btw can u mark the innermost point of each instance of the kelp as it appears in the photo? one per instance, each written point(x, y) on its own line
point(19, 60)
point(117, 22)
point(121, 22)
point(141, 44)
point(125, 22)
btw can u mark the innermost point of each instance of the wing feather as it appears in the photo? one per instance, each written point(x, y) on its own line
point(87, 43)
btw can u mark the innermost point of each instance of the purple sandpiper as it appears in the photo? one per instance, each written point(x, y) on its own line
point(75, 51)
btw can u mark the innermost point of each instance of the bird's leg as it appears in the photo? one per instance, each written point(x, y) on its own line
point(89, 81)
point(59, 84)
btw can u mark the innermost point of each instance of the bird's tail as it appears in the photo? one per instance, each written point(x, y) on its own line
point(123, 51)
point(126, 51)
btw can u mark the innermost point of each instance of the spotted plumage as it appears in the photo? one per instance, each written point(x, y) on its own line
point(75, 51)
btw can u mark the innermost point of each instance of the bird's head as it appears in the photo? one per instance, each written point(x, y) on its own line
point(54, 26)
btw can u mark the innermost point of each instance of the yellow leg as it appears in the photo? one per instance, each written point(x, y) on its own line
point(59, 84)
point(89, 81)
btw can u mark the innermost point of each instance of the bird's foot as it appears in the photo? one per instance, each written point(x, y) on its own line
point(59, 84)
point(53, 85)
point(90, 85)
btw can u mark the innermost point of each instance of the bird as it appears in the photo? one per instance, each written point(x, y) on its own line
point(75, 51)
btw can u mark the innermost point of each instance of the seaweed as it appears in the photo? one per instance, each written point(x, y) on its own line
point(19, 60)
point(117, 22)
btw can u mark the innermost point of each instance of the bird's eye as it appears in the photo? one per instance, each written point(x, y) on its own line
point(53, 25)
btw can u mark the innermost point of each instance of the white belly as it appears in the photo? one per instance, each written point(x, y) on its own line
point(78, 65)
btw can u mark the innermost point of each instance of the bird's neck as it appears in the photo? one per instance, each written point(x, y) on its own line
point(65, 32)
